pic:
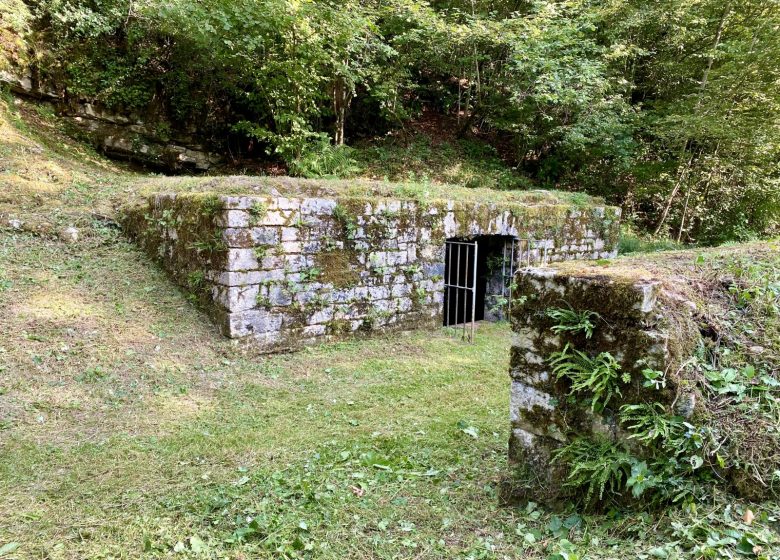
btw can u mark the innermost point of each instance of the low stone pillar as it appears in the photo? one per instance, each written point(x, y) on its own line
point(635, 319)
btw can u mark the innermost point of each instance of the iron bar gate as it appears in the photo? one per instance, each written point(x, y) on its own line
point(508, 271)
point(460, 285)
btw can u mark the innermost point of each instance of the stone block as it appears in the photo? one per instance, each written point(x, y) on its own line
point(318, 206)
point(236, 298)
point(253, 322)
point(234, 278)
point(241, 260)
point(629, 324)
point(290, 233)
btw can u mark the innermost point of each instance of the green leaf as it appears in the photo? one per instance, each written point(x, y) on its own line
point(8, 548)
point(471, 431)
point(197, 545)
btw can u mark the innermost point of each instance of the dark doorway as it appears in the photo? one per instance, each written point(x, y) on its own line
point(477, 272)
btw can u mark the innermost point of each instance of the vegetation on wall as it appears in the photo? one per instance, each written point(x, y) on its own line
point(719, 429)
point(668, 108)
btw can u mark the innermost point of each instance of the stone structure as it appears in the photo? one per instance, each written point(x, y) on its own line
point(287, 270)
point(640, 322)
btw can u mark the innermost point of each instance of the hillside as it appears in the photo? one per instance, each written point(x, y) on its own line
point(670, 110)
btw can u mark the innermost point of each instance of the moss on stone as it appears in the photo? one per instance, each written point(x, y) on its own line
point(338, 268)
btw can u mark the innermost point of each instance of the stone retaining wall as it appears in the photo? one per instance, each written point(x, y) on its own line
point(287, 271)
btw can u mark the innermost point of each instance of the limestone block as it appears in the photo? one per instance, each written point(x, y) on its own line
point(236, 298)
point(251, 322)
point(233, 219)
point(282, 203)
point(276, 218)
point(278, 295)
point(319, 206)
point(291, 247)
point(400, 290)
point(290, 233)
point(630, 326)
point(243, 202)
point(234, 278)
point(314, 330)
point(250, 237)
point(379, 292)
point(241, 260)
point(321, 316)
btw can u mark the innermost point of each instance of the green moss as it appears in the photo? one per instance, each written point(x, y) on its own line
point(338, 268)
point(369, 190)
point(339, 327)
point(260, 251)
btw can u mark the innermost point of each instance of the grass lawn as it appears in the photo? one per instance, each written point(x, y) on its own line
point(129, 425)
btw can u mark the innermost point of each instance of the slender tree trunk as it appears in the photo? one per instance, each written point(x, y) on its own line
point(460, 92)
point(680, 178)
point(685, 211)
point(341, 100)
point(702, 88)
point(711, 58)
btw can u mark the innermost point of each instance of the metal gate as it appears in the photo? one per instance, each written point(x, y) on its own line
point(460, 286)
point(508, 272)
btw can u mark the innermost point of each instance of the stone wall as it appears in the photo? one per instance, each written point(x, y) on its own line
point(286, 271)
point(639, 322)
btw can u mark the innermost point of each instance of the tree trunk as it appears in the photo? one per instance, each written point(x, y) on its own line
point(704, 79)
point(341, 101)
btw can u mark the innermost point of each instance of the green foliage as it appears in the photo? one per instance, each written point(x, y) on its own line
point(571, 321)
point(310, 274)
point(196, 280)
point(631, 242)
point(15, 19)
point(596, 468)
point(211, 243)
point(322, 159)
point(668, 109)
point(598, 377)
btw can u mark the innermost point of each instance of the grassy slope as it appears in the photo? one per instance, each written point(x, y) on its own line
point(129, 428)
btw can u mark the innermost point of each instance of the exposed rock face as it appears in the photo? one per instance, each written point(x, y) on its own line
point(639, 324)
point(127, 137)
point(123, 136)
point(286, 271)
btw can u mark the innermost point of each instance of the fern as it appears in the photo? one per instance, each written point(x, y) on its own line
point(595, 467)
point(649, 423)
point(323, 159)
point(569, 320)
point(669, 436)
point(599, 376)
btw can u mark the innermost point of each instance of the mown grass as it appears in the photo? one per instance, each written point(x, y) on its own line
point(129, 425)
point(130, 429)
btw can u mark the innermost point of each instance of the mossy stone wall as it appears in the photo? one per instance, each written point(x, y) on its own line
point(285, 271)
